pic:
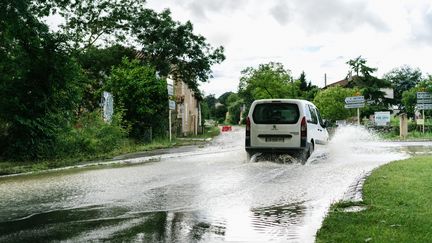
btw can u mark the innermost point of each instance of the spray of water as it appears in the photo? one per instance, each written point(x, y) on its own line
point(356, 144)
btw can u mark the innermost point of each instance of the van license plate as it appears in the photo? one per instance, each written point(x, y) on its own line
point(277, 140)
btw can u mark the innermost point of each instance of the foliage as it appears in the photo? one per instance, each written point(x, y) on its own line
point(144, 97)
point(331, 103)
point(98, 63)
point(172, 48)
point(369, 85)
point(270, 80)
point(409, 101)
point(92, 22)
point(90, 135)
point(39, 83)
point(234, 103)
point(210, 102)
point(307, 91)
point(403, 78)
point(220, 113)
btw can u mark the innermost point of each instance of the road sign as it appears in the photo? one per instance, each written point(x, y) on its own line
point(358, 105)
point(170, 90)
point(424, 95)
point(354, 99)
point(171, 104)
point(424, 101)
point(424, 106)
point(382, 118)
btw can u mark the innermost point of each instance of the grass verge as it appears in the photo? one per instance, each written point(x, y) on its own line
point(397, 197)
point(128, 146)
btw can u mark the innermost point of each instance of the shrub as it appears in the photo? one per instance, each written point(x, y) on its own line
point(91, 135)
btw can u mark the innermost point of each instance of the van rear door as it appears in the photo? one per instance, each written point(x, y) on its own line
point(275, 124)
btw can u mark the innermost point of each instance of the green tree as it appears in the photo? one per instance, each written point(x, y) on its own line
point(402, 79)
point(270, 80)
point(331, 103)
point(210, 101)
point(409, 101)
point(234, 104)
point(172, 48)
point(98, 63)
point(93, 22)
point(223, 98)
point(369, 85)
point(307, 90)
point(409, 97)
point(39, 83)
point(303, 82)
point(142, 95)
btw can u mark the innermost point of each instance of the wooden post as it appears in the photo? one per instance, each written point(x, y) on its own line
point(424, 121)
point(358, 116)
point(169, 125)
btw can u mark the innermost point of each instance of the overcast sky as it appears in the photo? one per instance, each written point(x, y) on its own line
point(317, 36)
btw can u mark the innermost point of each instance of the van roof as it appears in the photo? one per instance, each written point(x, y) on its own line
point(297, 101)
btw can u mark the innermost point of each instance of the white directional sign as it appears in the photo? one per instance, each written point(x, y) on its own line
point(354, 99)
point(358, 105)
point(171, 104)
point(424, 106)
point(170, 90)
point(382, 118)
point(424, 95)
point(424, 99)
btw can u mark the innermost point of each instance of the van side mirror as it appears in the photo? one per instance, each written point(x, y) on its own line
point(325, 123)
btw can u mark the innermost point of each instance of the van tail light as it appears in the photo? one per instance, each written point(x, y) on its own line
point(303, 128)
point(247, 138)
point(247, 124)
point(303, 132)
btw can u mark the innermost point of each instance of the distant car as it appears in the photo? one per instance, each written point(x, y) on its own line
point(284, 126)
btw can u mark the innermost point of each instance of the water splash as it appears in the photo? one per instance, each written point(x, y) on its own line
point(356, 144)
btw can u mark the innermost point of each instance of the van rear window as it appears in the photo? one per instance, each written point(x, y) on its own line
point(276, 113)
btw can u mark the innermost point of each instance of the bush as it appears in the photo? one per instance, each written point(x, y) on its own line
point(91, 135)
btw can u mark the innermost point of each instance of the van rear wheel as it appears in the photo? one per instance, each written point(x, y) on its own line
point(305, 154)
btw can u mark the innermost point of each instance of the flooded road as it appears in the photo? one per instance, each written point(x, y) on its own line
point(209, 194)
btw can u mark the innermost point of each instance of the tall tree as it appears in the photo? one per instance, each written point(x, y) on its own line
point(92, 22)
point(98, 63)
point(174, 49)
point(303, 82)
point(270, 80)
point(331, 103)
point(39, 83)
point(403, 78)
point(370, 86)
point(143, 96)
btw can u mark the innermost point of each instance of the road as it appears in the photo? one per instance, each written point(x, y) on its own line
point(209, 194)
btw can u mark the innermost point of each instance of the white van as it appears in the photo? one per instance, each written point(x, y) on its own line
point(284, 126)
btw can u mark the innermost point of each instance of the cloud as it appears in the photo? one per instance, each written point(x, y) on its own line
point(201, 8)
point(281, 12)
point(325, 15)
point(422, 30)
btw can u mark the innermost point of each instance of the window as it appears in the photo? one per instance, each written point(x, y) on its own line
point(320, 120)
point(276, 113)
point(313, 113)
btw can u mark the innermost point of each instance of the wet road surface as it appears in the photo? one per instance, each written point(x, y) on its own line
point(209, 194)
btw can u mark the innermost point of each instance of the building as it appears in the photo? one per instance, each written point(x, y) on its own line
point(188, 110)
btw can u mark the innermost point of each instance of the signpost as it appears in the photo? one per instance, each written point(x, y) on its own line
point(355, 102)
point(424, 102)
point(171, 104)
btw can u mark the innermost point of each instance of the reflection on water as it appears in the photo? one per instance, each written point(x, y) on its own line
point(120, 224)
